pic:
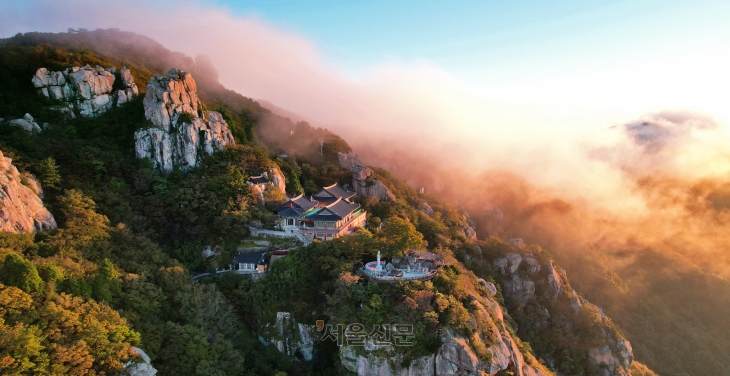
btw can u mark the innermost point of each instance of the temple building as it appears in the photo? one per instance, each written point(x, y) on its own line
point(250, 262)
point(324, 215)
point(329, 195)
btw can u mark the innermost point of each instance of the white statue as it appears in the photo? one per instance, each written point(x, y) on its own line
point(378, 267)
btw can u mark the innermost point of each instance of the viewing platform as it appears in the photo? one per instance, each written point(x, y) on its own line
point(414, 266)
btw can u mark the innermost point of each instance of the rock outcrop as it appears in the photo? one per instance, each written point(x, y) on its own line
point(555, 280)
point(293, 338)
point(518, 288)
point(143, 368)
point(374, 365)
point(517, 242)
point(533, 265)
point(610, 364)
point(613, 358)
point(525, 273)
point(489, 286)
point(276, 178)
point(500, 265)
point(514, 260)
point(425, 208)
point(26, 123)
point(21, 208)
point(182, 131)
point(576, 304)
point(469, 232)
point(88, 90)
point(362, 178)
point(130, 88)
point(455, 356)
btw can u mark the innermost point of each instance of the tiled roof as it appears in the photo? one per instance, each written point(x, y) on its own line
point(295, 206)
point(249, 258)
point(334, 211)
point(330, 194)
point(290, 212)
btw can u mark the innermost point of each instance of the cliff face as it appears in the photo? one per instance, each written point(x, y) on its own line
point(21, 208)
point(362, 180)
point(526, 274)
point(292, 338)
point(454, 357)
point(88, 90)
point(457, 354)
point(182, 130)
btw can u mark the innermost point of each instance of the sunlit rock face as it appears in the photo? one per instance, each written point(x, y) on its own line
point(21, 208)
point(469, 232)
point(182, 132)
point(362, 180)
point(88, 90)
point(277, 179)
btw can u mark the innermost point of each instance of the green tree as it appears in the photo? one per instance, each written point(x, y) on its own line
point(374, 224)
point(185, 351)
point(51, 273)
point(82, 227)
point(399, 235)
point(106, 283)
point(293, 184)
point(21, 273)
point(80, 287)
point(48, 173)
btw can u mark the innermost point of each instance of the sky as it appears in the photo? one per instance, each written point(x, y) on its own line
point(636, 55)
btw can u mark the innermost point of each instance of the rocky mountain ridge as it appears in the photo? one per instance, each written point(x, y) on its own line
point(527, 279)
point(524, 273)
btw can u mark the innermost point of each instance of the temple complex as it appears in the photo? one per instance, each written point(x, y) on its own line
point(324, 215)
